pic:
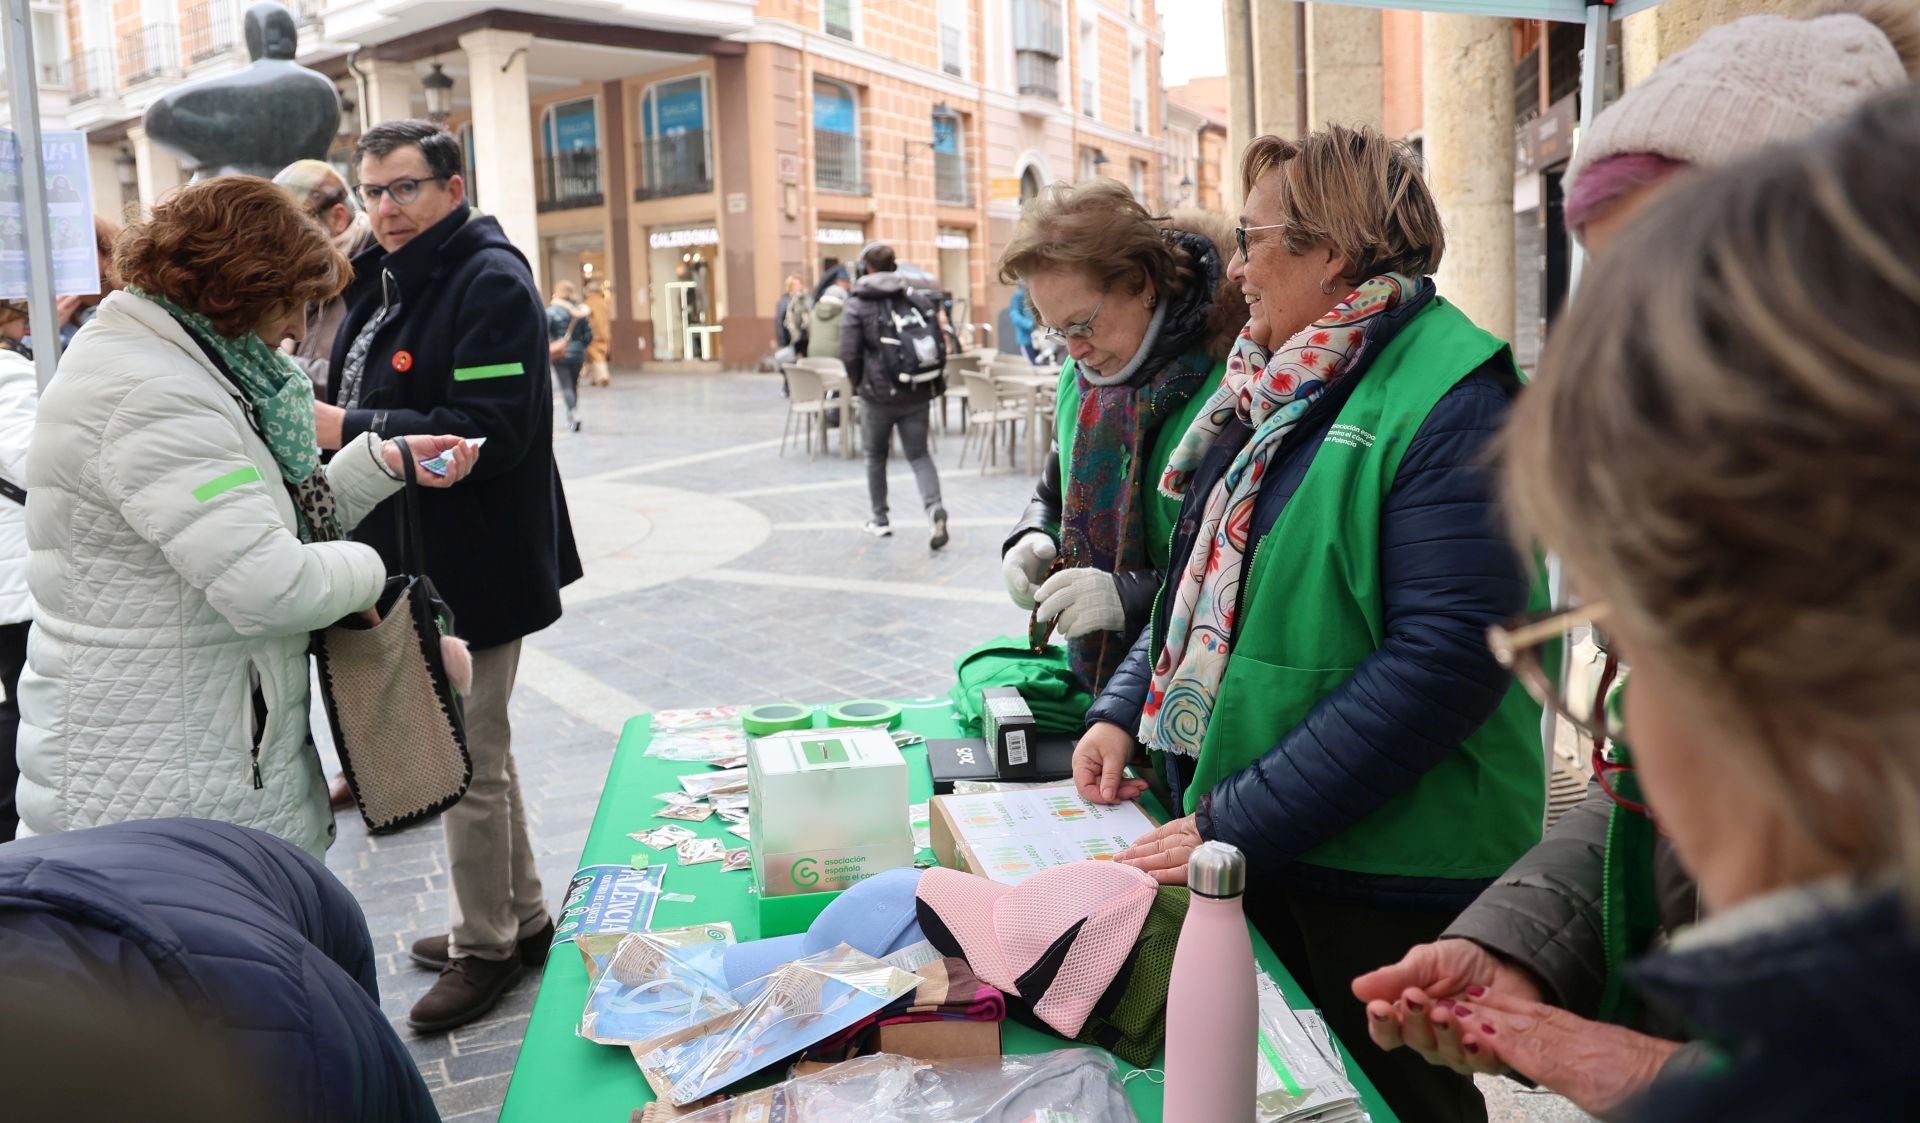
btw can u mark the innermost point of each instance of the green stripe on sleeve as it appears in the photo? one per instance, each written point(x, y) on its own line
point(223, 484)
point(497, 370)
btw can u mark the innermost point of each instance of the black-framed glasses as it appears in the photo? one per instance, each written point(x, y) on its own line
point(404, 190)
point(1081, 330)
point(1240, 234)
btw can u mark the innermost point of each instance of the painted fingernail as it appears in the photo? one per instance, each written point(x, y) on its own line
point(1378, 1017)
point(1412, 1005)
point(1461, 1011)
point(1472, 1048)
point(1476, 991)
point(1486, 1028)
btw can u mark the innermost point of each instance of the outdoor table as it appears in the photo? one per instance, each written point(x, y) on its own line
point(563, 1076)
point(1043, 380)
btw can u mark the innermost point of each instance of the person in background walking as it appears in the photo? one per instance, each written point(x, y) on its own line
point(883, 324)
point(446, 330)
point(797, 315)
point(823, 323)
point(187, 539)
point(569, 330)
point(19, 395)
point(1020, 311)
point(600, 333)
point(318, 190)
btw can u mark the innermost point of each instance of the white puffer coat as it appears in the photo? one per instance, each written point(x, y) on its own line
point(18, 393)
point(167, 667)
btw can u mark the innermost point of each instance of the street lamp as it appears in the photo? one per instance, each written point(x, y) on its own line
point(439, 89)
point(1100, 160)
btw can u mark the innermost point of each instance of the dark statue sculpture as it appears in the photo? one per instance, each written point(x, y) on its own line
point(254, 121)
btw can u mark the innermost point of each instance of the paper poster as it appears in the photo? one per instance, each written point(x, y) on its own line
point(609, 899)
point(69, 217)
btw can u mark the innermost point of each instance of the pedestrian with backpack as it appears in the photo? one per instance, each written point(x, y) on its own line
point(569, 330)
point(890, 344)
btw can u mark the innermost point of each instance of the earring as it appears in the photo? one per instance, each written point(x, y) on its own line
point(1326, 287)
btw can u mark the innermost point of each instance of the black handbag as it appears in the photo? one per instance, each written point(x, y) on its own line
point(395, 717)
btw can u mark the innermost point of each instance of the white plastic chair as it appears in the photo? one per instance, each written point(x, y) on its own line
point(986, 413)
point(807, 401)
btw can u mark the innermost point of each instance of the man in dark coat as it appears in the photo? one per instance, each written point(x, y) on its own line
point(184, 969)
point(447, 334)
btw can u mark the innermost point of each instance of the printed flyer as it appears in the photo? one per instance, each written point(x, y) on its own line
point(609, 899)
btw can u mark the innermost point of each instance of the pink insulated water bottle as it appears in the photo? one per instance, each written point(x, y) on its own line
point(1212, 1008)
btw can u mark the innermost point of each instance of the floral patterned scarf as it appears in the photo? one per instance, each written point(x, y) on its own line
point(1271, 394)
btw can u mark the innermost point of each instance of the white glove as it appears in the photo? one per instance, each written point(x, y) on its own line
point(1084, 600)
point(1025, 563)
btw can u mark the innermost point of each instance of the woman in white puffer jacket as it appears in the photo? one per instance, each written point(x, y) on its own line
point(185, 538)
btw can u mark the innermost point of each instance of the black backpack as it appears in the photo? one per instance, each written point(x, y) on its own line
point(911, 350)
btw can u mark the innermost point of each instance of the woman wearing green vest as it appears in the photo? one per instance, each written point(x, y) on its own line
point(1148, 317)
point(1316, 672)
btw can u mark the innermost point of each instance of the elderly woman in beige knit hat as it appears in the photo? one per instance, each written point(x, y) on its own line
point(1603, 887)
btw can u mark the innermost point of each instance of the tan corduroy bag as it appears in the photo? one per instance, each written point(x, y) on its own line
point(395, 717)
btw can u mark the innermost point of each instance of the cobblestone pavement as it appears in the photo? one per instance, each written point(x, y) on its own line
point(718, 571)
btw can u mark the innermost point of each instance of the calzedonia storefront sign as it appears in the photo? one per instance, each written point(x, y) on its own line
point(679, 239)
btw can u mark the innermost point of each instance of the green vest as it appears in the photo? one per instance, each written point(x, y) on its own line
point(1162, 513)
point(1302, 637)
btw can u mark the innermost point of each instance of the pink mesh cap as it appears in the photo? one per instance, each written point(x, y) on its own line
point(1023, 938)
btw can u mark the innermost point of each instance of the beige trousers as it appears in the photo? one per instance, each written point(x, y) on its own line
point(496, 887)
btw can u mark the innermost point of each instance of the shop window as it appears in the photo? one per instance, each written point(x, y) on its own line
point(569, 173)
point(836, 138)
point(676, 150)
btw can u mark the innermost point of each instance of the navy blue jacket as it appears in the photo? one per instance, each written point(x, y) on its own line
point(1809, 1012)
point(241, 936)
point(1447, 572)
point(467, 355)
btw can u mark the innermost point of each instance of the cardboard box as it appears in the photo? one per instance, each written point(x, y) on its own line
point(939, 1041)
point(828, 810)
point(1010, 836)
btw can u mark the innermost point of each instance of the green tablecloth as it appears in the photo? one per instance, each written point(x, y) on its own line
point(561, 1076)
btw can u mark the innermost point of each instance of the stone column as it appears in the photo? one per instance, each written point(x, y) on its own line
point(1275, 101)
point(1240, 106)
point(1467, 103)
point(391, 87)
point(1346, 83)
point(159, 169)
point(503, 130)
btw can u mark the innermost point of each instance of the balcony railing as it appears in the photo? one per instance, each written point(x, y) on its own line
point(1037, 74)
point(1036, 27)
point(149, 53)
point(836, 163)
point(950, 179)
point(93, 75)
point(53, 72)
point(673, 165)
point(306, 13)
point(211, 29)
point(569, 180)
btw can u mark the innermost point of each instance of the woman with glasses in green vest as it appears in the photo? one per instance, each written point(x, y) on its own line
point(1316, 671)
point(1142, 305)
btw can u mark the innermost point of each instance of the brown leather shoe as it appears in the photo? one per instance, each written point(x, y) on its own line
point(466, 990)
point(431, 951)
point(339, 795)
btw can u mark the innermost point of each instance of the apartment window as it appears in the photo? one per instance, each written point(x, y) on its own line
point(50, 46)
point(1089, 68)
point(1137, 86)
point(836, 138)
point(953, 37)
point(836, 18)
point(569, 172)
point(1137, 178)
point(676, 151)
point(1087, 167)
point(1038, 43)
point(949, 159)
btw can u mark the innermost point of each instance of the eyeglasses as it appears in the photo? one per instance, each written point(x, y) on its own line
point(1517, 648)
point(1081, 330)
point(1240, 234)
point(404, 191)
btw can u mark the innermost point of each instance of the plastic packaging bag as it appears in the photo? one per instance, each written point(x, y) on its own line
point(1299, 1073)
point(803, 1002)
point(702, 735)
point(1064, 1086)
point(657, 984)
